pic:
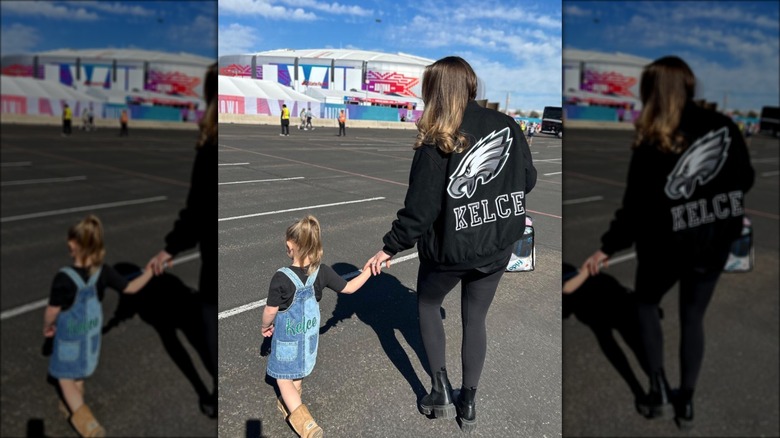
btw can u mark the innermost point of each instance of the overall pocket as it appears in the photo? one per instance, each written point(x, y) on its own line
point(286, 351)
point(68, 351)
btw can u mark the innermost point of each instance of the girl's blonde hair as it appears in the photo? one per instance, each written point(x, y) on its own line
point(88, 234)
point(306, 235)
point(448, 86)
point(667, 85)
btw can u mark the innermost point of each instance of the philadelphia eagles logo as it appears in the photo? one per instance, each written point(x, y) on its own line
point(482, 163)
point(700, 163)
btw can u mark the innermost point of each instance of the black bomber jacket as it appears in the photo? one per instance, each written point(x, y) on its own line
point(466, 209)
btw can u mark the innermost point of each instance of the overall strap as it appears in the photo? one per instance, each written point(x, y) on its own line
point(70, 272)
point(291, 275)
point(313, 277)
point(94, 278)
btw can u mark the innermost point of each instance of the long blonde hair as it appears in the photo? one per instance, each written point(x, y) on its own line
point(208, 124)
point(88, 235)
point(448, 86)
point(306, 235)
point(667, 85)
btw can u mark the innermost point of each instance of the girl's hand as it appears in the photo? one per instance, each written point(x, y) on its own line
point(268, 331)
point(159, 262)
point(375, 262)
point(49, 331)
point(595, 262)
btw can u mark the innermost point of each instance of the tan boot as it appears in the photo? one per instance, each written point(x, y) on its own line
point(301, 420)
point(282, 407)
point(86, 424)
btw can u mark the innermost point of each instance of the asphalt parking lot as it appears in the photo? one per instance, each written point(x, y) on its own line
point(149, 376)
point(737, 392)
point(370, 370)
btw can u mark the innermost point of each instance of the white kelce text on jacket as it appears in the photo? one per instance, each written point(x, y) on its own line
point(699, 165)
point(482, 163)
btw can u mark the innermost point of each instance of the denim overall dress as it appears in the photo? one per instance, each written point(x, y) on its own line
point(77, 340)
point(296, 332)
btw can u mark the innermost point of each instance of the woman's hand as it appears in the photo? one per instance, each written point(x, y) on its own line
point(161, 261)
point(595, 262)
point(376, 261)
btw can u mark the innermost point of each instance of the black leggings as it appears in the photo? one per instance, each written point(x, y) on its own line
point(477, 292)
point(696, 288)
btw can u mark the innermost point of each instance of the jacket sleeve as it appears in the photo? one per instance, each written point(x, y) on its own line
point(530, 170)
point(423, 201)
point(185, 230)
point(622, 229)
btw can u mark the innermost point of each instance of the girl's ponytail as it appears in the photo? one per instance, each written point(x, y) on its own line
point(306, 234)
point(88, 234)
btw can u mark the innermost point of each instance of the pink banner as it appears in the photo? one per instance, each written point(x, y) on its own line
point(13, 104)
point(231, 104)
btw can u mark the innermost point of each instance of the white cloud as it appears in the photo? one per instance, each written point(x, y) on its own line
point(576, 11)
point(469, 14)
point(237, 39)
point(47, 9)
point(331, 8)
point(18, 39)
point(263, 8)
point(115, 8)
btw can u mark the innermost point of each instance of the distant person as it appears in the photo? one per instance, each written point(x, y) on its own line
point(85, 120)
point(74, 318)
point(91, 118)
point(682, 207)
point(303, 120)
point(464, 155)
point(123, 118)
point(293, 298)
point(67, 119)
point(308, 119)
point(531, 131)
point(285, 120)
point(196, 227)
point(342, 124)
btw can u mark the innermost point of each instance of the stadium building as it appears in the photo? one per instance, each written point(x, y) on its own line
point(369, 85)
point(151, 85)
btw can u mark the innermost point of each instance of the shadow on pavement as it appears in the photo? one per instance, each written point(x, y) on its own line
point(606, 307)
point(35, 428)
point(168, 305)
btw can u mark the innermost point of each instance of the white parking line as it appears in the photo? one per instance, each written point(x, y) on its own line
point(260, 180)
point(620, 259)
point(299, 208)
point(16, 164)
point(772, 173)
point(549, 159)
point(42, 181)
point(582, 200)
point(85, 208)
point(553, 173)
point(232, 164)
point(42, 303)
point(260, 303)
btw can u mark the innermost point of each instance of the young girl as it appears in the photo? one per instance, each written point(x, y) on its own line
point(292, 316)
point(74, 317)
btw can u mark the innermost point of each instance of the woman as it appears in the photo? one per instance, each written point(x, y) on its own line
point(683, 206)
point(464, 209)
point(196, 227)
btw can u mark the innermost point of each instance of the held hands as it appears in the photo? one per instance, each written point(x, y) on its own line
point(594, 263)
point(49, 331)
point(375, 262)
point(268, 331)
point(161, 261)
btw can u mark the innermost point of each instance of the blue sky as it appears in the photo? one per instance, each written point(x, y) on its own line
point(515, 46)
point(731, 46)
point(167, 26)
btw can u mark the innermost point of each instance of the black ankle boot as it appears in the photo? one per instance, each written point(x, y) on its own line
point(683, 409)
point(467, 411)
point(657, 402)
point(439, 401)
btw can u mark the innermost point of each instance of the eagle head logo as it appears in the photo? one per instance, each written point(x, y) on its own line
point(699, 164)
point(482, 163)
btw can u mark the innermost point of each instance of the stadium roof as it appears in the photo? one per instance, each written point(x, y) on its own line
point(30, 87)
point(570, 55)
point(130, 55)
point(349, 55)
point(235, 86)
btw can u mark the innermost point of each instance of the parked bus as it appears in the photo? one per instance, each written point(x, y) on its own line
point(770, 120)
point(552, 121)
